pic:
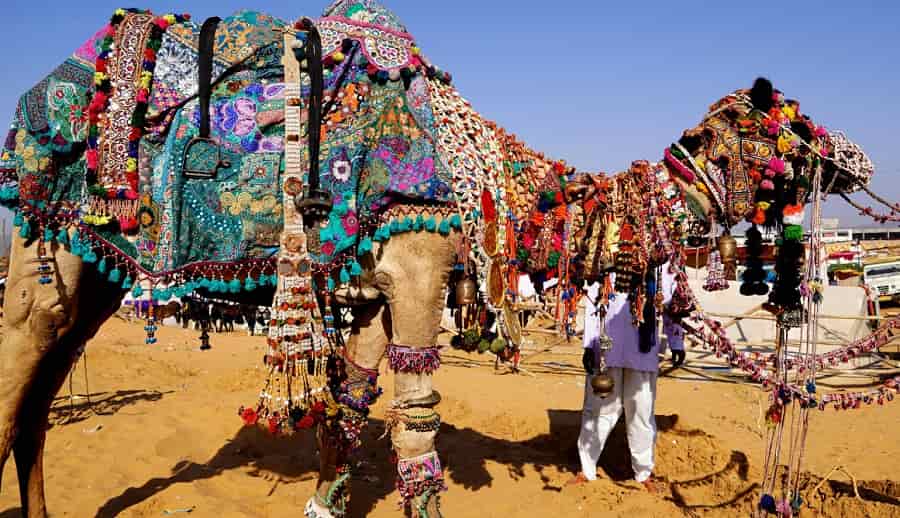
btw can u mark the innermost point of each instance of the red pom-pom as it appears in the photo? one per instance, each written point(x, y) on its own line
point(487, 206)
point(249, 416)
point(306, 422)
point(273, 425)
point(372, 69)
point(149, 54)
point(559, 197)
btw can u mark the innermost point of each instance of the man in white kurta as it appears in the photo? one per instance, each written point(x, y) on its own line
point(634, 375)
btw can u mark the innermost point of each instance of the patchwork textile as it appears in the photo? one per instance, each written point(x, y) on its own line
point(97, 152)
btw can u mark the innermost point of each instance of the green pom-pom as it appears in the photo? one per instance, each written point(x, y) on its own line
point(430, 224)
point(115, 276)
point(498, 345)
point(793, 232)
point(444, 227)
point(345, 276)
point(102, 266)
point(355, 269)
point(553, 259)
point(365, 245)
point(484, 346)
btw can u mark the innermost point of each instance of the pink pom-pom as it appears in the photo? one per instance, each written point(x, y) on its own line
point(770, 173)
point(767, 185)
point(776, 164)
point(821, 132)
point(142, 95)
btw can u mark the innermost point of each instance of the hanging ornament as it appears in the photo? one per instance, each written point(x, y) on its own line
point(715, 279)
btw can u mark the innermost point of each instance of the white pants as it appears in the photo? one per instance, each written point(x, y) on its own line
point(635, 393)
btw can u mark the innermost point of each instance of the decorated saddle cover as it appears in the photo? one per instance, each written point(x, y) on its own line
point(101, 146)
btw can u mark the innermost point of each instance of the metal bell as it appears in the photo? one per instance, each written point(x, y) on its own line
point(466, 292)
point(602, 384)
point(728, 249)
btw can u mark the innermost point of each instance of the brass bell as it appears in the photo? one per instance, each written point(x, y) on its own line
point(728, 248)
point(465, 292)
point(602, 384)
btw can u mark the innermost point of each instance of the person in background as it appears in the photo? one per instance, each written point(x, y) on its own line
point(633, 364)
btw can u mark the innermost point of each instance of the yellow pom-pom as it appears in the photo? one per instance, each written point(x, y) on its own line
point(784, 144)
point(338, 56)
point(170, 18)
point(763, 205)
point(414, 50)
point(120, 12)
point(789, 112)
point(99, 77)
point(131, 164)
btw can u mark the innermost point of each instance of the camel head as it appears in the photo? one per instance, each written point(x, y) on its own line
point(754, 158)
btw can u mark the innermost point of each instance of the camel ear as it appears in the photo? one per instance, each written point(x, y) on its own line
point(761, 94)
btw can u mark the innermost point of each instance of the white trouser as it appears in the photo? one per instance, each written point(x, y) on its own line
point(635, 393)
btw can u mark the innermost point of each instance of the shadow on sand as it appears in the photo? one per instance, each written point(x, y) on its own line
point(68, 410)
point(465, 453)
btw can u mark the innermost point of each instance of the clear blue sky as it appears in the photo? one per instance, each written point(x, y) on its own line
point(598, 85)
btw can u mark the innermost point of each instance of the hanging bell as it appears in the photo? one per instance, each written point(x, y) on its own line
point(728, 248)
point(465, 292)
point(602, 384)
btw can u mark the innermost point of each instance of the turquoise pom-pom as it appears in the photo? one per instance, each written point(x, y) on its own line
point(204, 283)
point(48, 235)
point(234, 286)
point(395, 227)
point(355, 269)
point(365, 245)
point(419, 223)
point(128, 283)
point(456, 221)
point(345, 276)
point(444, 228)
point(326, 234)
point(115, 276)
point(249, 284)
point(102, 266)
point(62, 237)
point(25, 230)
point(137, 291)
point(89, 257)
point(406, 225)
point(330, 284)
point(19, 219)
point(430, 224)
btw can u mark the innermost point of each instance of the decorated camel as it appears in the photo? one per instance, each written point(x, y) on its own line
point(328, 164)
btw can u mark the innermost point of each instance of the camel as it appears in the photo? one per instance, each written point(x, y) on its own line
point(420, 228)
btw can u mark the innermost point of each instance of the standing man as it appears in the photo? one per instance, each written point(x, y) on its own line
point(633, 365)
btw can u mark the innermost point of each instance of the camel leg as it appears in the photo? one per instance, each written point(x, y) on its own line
point(45, 326)
point(412, 274)
point(365, 348)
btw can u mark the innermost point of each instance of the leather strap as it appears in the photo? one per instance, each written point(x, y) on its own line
point(204, 71)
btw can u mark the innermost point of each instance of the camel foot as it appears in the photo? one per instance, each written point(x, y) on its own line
point(578, 480)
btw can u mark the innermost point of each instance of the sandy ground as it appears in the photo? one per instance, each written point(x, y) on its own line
point(162, 435)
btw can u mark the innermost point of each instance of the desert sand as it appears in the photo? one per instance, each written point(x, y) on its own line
point(161, 436)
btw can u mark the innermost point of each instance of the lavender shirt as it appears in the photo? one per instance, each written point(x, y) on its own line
point(620, 328)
